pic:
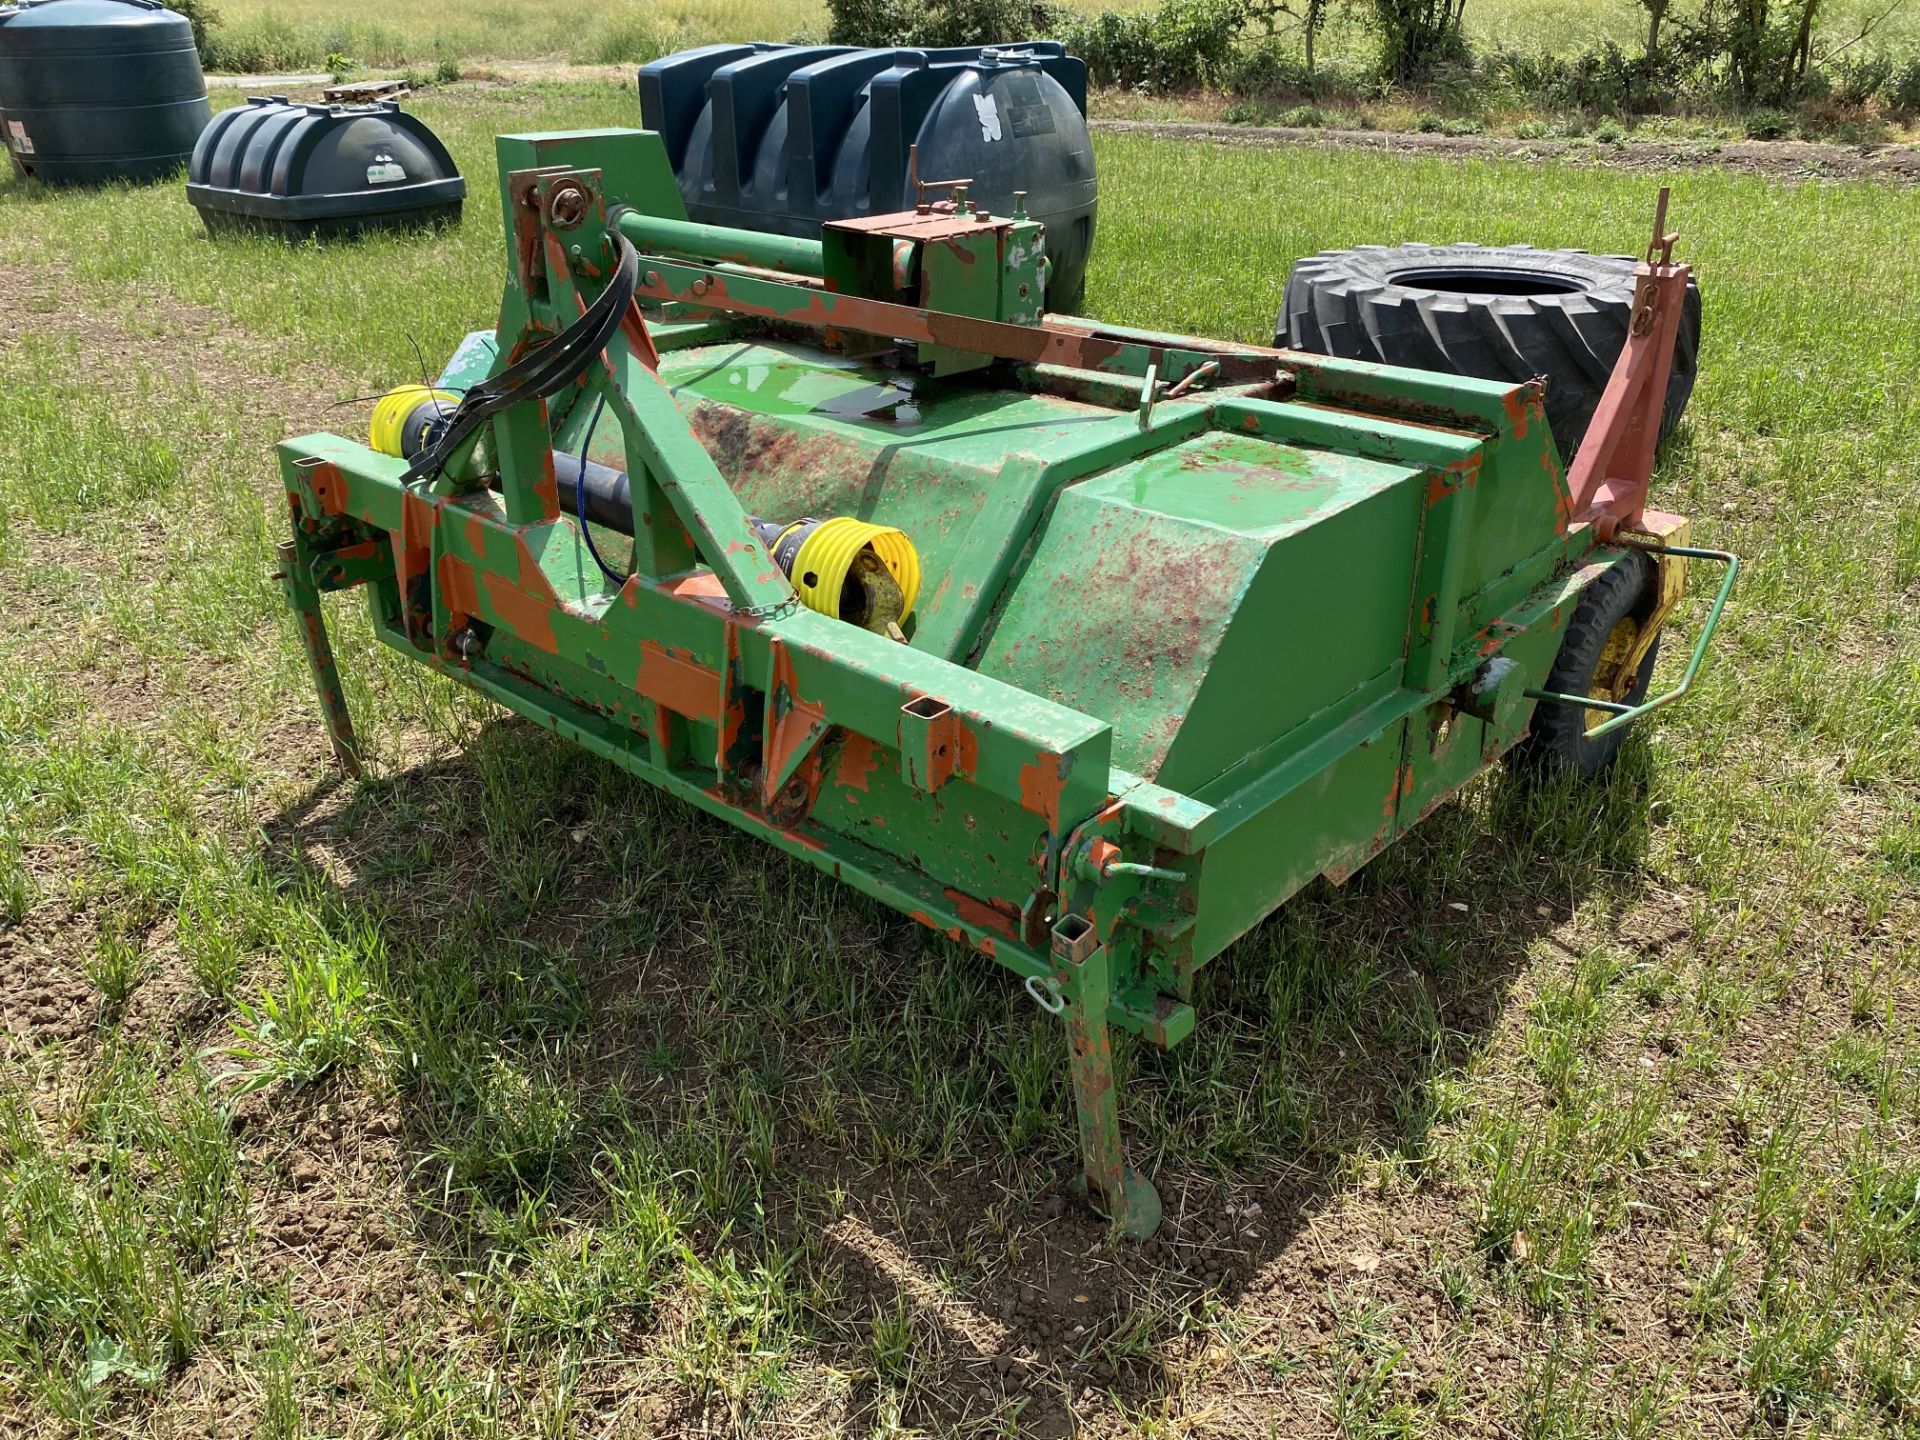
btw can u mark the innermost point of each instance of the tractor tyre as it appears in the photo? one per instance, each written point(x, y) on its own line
point(1510, 314)
point(1605, 625)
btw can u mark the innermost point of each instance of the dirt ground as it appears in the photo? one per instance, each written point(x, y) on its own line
point(1776, 159)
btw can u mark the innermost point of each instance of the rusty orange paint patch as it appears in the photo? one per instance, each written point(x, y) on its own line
point(532, 579)
point(1461, 475)
point(547, 490)
point(984, 914)
point(966, 750)
point(328, 488)
point(684, 686)
point(700, 585)
point(457, 592)
point(794, 727)
point(1402, 787)
point(1102, 853)
point(1519, 407)
point(859, 758)
point(1041, 785)
point(417, 518)
point(476, 528)
point(527, 616)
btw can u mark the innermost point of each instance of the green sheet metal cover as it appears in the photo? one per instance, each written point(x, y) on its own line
point(1210, 596)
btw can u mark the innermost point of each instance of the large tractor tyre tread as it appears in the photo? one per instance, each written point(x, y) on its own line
point(1509, 313)
point(1557, 743)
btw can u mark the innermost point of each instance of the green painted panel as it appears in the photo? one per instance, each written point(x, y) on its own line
point(1246, 484)
point(1208, 598)
point(1336, 819)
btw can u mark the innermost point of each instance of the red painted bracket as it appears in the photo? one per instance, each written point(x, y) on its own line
point(1609, 476)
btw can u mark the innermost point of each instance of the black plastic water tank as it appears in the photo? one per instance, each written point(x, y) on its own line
point(94, 90)
point(300, 170)
point(781, 137)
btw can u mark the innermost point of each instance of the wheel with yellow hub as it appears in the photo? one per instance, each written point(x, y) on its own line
point(1606, 630)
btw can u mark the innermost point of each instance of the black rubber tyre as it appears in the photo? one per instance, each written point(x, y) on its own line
point(1558, 742)
point(1511, 313)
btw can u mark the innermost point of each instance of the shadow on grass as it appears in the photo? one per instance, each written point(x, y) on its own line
point(811, 1138)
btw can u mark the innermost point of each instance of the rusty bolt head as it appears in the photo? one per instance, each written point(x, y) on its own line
point(567, 207)
point(792, 803)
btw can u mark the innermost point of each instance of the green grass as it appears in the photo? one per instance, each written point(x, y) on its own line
point(265, 35)
point(500, 1095)
point(275, 34)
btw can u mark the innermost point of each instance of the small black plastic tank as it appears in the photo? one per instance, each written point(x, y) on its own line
point(97, 90)
point(782, 137)
point(299, 170)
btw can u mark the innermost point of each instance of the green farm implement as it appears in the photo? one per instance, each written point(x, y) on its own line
point(1085, 646)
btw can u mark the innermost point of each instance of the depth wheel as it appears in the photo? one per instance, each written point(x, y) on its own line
point(1606, 626)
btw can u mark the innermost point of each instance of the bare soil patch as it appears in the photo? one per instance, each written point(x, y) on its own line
point(1776, 159)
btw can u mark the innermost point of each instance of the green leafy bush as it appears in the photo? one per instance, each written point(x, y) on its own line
point(203, 18)
point(1416, 36)
point(938, 22)
point(1768, 124)
point(1902, 90)
point(1601, 78)
point(868, 22)
point(1273, 66)
point(1183, 43)
point(1857, 82)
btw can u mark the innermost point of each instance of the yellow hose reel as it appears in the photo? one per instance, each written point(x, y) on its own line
point(402, 413)
point(867, 575)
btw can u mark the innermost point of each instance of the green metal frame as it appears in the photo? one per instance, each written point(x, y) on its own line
point(1201, 622)
point(1623, 714)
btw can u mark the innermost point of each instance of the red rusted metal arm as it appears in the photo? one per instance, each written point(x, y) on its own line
point(1609, 475)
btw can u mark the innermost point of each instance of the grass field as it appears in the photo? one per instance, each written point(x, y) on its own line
point(497, 1095)
point(297, 34)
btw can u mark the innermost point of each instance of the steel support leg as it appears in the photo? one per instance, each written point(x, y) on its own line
point(1127, 1199)
point(296, 575)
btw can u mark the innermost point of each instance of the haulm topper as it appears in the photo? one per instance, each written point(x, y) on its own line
point(1085, 646)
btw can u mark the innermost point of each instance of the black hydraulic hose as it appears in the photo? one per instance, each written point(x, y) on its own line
point(580, 496)
point(552, 367)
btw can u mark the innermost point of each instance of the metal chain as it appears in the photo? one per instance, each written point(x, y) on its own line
point(773, 611)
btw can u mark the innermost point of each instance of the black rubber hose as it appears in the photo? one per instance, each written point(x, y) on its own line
point(547, 370)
